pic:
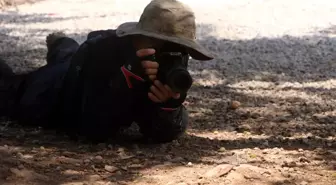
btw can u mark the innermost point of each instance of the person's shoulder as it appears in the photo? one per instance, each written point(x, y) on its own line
point(100, 35)
point(106, 42)
point(102, 42)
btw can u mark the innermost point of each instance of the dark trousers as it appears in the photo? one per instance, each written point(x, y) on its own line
point(39, 93)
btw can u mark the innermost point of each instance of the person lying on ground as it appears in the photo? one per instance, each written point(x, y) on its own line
point(135, 73)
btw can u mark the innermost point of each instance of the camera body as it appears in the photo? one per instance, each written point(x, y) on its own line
point(173, 70)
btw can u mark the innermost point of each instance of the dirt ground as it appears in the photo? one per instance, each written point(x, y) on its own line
point(262, 113)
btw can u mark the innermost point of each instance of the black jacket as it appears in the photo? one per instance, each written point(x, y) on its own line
point(95, 100)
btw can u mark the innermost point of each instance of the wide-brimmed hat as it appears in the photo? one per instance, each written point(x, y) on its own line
point(168, 20)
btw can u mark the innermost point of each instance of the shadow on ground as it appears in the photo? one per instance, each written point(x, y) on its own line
point(24, 48)
point(285, 87)
point(43, 157)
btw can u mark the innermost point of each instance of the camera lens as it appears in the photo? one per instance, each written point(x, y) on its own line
point(179, 80)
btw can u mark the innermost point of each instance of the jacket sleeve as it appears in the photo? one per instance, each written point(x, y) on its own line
point(160, 123)
point(96, 99)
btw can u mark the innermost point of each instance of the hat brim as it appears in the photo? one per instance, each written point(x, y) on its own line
point(195, 50)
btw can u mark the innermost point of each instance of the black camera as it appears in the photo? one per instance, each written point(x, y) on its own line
point(173, 70)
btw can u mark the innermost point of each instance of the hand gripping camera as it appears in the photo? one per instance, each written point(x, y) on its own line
point(173, 70)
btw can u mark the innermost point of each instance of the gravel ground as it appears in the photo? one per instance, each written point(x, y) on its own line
point(262, 112)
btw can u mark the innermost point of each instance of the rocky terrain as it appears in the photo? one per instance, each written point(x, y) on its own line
point(262, 113)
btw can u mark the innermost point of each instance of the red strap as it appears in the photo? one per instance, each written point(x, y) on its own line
point(129, 74)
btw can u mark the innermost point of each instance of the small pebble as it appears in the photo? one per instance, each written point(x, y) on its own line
point(110, 168)
point(222, 149)
point(19, 154)
point(265, 143)
point(303, 159)
point(135, 160)
point(139, 152)
point(99, 158)
point(235, 104)
point(304, 183)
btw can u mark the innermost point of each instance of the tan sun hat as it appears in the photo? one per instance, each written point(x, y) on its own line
point(168, 20)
